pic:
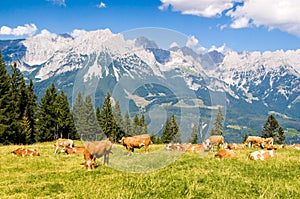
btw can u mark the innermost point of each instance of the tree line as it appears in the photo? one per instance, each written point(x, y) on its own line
point(25, 121)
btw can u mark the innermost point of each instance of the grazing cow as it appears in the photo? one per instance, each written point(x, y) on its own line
point(95, 150)
point(63, 143)
point(25, 152)
point(255, 140)
point(262, 155)
point(76, 149)
point(216, 140)
point(137, 141)
point(225, 153)
point(235, 146)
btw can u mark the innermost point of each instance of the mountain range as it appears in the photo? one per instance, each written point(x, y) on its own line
point(157, 82)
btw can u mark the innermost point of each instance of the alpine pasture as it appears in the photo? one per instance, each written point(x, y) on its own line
point(158, 174)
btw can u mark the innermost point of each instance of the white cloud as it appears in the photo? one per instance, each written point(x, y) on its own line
point(204, 8)
point(174, 44)
point(27, 29)
point(77, 33)
point(283, 15)
point(101, 5)
point(220, 49)
point(59, 2)
point(192, 42)
point(46, 33)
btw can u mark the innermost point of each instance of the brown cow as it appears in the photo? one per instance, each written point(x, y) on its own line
point(235, 146)
point(62, 143)
point(255, 140)
point(225, 153)
point(95, 150)
point(294, 146)
point(25, 152)
point(216, 140)
point(262, 155)
point(76, 149)
point(137, 141)
point(176, 147)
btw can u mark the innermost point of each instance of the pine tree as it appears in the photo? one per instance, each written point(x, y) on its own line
point(171, 131)
point(218, 129)
point(194, 135)
point(281, 136)
point(107, 121)
point(143, 125)
point(4, 103)
point(127, 124)
point(77, 113)
point(119, 121)
point(65, 124)
point(47, 116)
point(30, 114)
point(270, 128)
point(90, 130)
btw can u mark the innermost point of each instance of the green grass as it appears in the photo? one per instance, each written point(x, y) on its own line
point(159, 174)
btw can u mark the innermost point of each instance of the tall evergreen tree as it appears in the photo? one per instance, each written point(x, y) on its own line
point(47, 116)
point(65, 124)
point(171, 131)
point(218, 129)
point(194, 136)
point(4, 103)
point(77, 113)
point(143, 125)
point(281, 136)
point(270, 128)
point(107, 121)
point(119, 120)
point(92, 131)
point(127, 126)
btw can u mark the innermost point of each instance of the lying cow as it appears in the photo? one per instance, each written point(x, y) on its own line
point(294, 146)
point(236, 146)
point(196, 148)
point(76, 149)
point(25, 152)
point(95, 150)
point(216, 140)
point(262, 155)
point(62, 143)
point(225, 153)
point(176, 147)
point(137, 141)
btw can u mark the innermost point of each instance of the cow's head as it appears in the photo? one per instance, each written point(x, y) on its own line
point(89, 164)
point(122, 140)
point(207, 145)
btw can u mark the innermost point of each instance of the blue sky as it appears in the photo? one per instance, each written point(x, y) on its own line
point(251, 25)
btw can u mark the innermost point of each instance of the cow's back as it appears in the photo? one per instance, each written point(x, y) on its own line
point(99, 148)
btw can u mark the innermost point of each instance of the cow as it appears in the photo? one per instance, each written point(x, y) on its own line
point(255, 140)
point(216, 140)
point(25, 152)
point(262, 155)
point(137, 141)
point(95, 150)
point(225, 153)
point(269, 140)
point(294, 146)
point(236, 146)
point(176, 147)
point(63, 143)
point(195, 148)
point(76, 149)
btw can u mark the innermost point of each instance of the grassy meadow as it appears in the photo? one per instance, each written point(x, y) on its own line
point(159, 174)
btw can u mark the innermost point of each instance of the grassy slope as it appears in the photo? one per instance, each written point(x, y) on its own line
point(190, 176)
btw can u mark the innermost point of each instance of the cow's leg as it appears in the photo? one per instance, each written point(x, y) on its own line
point(147, 148)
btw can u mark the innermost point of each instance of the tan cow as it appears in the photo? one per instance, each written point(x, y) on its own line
point(251, 140)
point(195, 148)
point(25, 152)
point(294, 146)
point(137, 141)
point(225, 153)
point(76, 149)
point(62, 143)
point(262, 155)
point(95, 150)
point(176, 147)
point(236, 146)
point(216, 140)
